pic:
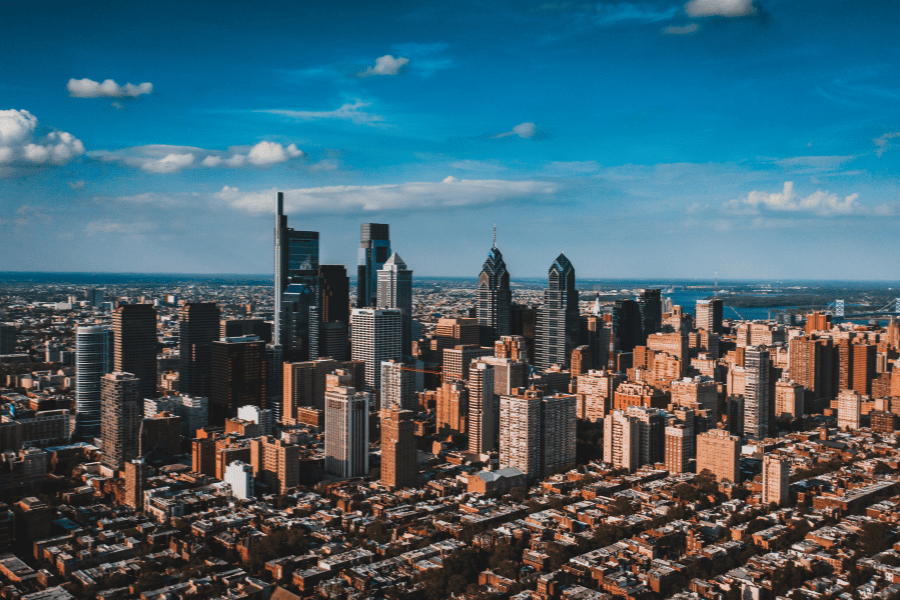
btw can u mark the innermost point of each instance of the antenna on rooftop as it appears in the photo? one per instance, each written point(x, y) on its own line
point(495, 235)
point(716, 289)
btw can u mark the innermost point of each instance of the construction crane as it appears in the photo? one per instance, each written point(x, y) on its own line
point(437, 372)
point(737, 313)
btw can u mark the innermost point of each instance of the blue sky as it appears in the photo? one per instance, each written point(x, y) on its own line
point(644, 139)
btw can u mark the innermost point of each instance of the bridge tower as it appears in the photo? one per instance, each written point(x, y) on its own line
point(839, 308)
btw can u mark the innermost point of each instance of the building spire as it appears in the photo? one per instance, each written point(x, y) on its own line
point(495, 236)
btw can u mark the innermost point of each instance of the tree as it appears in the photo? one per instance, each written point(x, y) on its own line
point(607, 534)
point(518, 494)
point(873, 538)
point(686, 492)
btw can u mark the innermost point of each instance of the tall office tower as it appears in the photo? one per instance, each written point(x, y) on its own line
point(720, 452)
point(596, 390)
point(626, 326)
point(679, 445)
point(121, 407)
point(776, 473)
point(336, 294)
point(849, 410)
point(651, 433)
point(557, 433)
point(452, 408)
point(450, 333)
point(135, 482)
point(581, 360)
point(275, 463)
point(347, 432)
point(508, 374)
point(697, 393)
point(649, 304)
point(494, 305)
point(238, 327)
point(199, 327)
point(275, 379)
point(374, 250)
point(301, 310)
point(398, 386)
point(621, 441)
point(482, 419)
point(788, 399)
point(281, 276)
point(594, 333)
point(8, 338)
point(239, 376)
point(296, 253)
point(134, 329)
point(523, 319)
point(557, 326)
point(757, 408)
point(399, 467)
point(93, 359)
point(520, 431)
point(708, 315)
point(513, 347)
point(333, 340)
point(94, 297)
point(395, 291)
point(813, 365)
point(458, 360)
point(305, 384)
point(377, 336)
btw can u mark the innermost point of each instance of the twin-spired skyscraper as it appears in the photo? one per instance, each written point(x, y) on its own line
point(494, 298)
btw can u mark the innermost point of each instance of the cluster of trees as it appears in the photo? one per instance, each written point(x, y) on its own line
point(588, 441)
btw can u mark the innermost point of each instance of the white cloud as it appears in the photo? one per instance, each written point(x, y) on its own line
point(523, 130)
point(139, 227)
point(720, 8)
point(270, 153)
point(235, 161)
point(87, 88)
point(171, 163)
point(385, 65)
point(450, 193)
point(347, 112)
point(682, 30)
point(819, 203)
point(77, 185)
point(883, 143)
point(212, 161)
point(19, 146)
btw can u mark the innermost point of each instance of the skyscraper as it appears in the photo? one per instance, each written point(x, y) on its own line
point(494, 298)
point(626, 326)
point(296, 253)
point(377, 337)
point(199, 327)
point(708, 315)
point(134, 328)
point(776, 474)
point(336, 294)
point(399, 468)
point(301, 310)
point(122, 409)
point(347, 432)
point(557, 321)
point(482, 417)
point(720, 452)
point(537, 432)
point(757, 407)
point(239, 376)
point(621, 441)
point(93, 359)
point(374, 250)
point(398, 386)
point(679, 445)
point(395, 291)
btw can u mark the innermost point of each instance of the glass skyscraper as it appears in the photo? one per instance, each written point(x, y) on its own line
point(93, 359)
point(557, 320)
point(494, 299)
point(374, 250)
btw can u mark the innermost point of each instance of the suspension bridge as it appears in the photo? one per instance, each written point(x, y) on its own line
point(838, 309)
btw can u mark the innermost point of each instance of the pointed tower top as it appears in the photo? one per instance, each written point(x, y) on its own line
point(395, 260)
point(495, 236)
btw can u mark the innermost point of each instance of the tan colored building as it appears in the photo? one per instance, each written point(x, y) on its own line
point(457, 360)
point(596, 390)
point(639, 394)
point(276, 463)
point(399, 468)
point(305, 384)
point(679, 446)
point(697, 393)
point(450, 333)
point(511, 346)
point(849, 410)
point(674, 344)
point(720, 452)
point(135, 481)
point(452, 408)
point(776, 478)
point(788, 399)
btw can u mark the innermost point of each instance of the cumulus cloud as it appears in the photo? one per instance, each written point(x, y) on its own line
point(87, 88)
point(819, 203)
point(347, 112)
point(385, 65)
point(161, 158)
point(342, 199)
point(524, 130)
point(883, 143)
point(721, 8)
point(20, 147)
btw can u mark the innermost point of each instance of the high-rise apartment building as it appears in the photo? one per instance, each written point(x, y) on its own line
point(651, 433)
point(121, 408)
point(596, 390)
point(708, 315)
point(458, 360)
point(513, 347)
point(161, 433)
point(849, 410)
point(483, 409)
point(776, 473)
point(8, 337)
point(520, 432)
point(134, 330)
point(395, 291)
point(697, 393)
point(757, 408)
point(305, 384)
point(374, 250)
point(813, 365)
point(452, 408)
point(720, 452)
point(621, 441)
point(508, 374)
point(461, 331)
point(679, 445)
point(239, 475)
point(398, 386)
point(399, 467)
point(494, 298)
point(817, 322)
point(557, 320)
point(135, 482)
point(856, 366)
point(275, 463)
point(558, 423)
point(240, 376)
point(347, 432)
point(377, 337)
point(93, 359)
point(199, 327)
point(788, 399)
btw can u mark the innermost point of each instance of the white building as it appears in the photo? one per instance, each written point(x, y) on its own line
point(193, 410)
point(398, 386)
point(347, 432)
point(776, 478)
point(260, 416)
point(621, 440)
point(377, 336)
point(849, 409)
point(240, 476)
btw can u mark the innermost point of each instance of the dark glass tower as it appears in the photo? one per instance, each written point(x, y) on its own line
point(626, 324)
point(494, 298)
point(650, 306)
point(198, 327)
point(557, 320)
point(134, 328)
point(296, 254)
point(374, 250)
point(301, 314)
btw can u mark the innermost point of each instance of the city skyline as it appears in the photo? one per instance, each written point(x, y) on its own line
point(764, 129)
